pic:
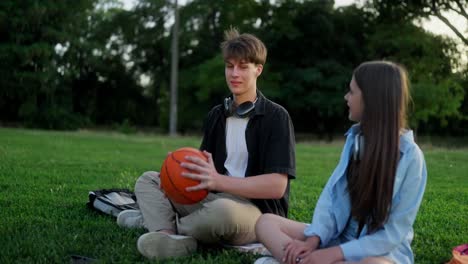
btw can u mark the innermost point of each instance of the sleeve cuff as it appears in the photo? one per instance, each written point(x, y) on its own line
point(352, 251)
point(310, 231)
point(289, 171)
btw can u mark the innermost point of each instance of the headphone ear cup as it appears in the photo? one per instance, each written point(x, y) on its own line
point(242, 111)
point(358, 151)
point(361, 147)
point(228, 106)
point(245, 109)
point(356, 148)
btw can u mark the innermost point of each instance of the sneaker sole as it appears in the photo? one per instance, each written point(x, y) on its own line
point(157, 245)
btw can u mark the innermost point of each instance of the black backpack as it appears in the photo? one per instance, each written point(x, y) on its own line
point(112, 201)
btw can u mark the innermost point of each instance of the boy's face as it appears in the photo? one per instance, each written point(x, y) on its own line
point(241, 76)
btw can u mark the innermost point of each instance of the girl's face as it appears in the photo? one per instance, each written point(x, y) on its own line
point(354, 101)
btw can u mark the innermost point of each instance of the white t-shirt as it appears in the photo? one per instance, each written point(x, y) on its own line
point(236, 147)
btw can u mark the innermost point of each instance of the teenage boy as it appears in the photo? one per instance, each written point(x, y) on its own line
point(250, 146)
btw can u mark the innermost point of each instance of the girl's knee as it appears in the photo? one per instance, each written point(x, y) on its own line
point(265, 219)
point(265, 224)
point(268, 217)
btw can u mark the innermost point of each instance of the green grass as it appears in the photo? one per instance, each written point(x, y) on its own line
point(45, 178)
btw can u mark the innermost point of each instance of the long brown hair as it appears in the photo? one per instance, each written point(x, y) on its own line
point(384, 89)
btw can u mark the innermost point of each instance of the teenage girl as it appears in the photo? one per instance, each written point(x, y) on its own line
point(365, 213)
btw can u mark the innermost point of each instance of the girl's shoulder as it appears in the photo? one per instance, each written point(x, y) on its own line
point(409, 149)
point(407, 143)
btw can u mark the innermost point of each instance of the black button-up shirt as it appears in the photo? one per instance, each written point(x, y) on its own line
point(270, 143)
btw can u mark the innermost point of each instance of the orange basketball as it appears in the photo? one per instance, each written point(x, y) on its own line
point(172, 181)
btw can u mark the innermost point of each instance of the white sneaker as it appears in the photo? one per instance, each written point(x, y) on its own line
point(267, 260)
point(130, 219)
point(159, 245)
point(255, 248)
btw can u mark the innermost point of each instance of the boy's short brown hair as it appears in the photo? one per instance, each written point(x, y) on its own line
point(243, 47)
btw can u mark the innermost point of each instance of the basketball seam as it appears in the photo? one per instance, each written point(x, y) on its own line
point(175, 186)
point(170, 184)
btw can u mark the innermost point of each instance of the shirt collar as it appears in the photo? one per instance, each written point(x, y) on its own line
point(260, 104)
point(406, 138)
point(353, 130)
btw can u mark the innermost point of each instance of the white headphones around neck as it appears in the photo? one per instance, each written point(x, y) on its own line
point(358, 150)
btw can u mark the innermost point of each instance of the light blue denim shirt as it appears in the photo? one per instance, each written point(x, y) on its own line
point(393, 240)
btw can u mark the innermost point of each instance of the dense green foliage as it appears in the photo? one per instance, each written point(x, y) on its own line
point(31, 89)
point(45, 178)
point(90, 62)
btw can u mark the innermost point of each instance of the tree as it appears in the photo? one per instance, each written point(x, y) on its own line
point(80, 63)
point(426, 8)
point(115, 49)
point(29, 33)
point(314, 47)
point(436, 92)
point(436, 8)
point(174, 72)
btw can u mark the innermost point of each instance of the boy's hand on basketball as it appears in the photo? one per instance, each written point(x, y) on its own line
point(203, 171)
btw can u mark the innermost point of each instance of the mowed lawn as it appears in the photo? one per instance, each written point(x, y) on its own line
point(45, 178)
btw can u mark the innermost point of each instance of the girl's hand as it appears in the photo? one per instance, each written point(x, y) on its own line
point(322, 256)
point(295, 249)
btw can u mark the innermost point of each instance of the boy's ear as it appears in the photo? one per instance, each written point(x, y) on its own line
point(259, 69)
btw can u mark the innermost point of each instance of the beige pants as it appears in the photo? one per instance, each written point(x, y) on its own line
point(219, 218)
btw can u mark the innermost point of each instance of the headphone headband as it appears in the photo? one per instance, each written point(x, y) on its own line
point(243, 110)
